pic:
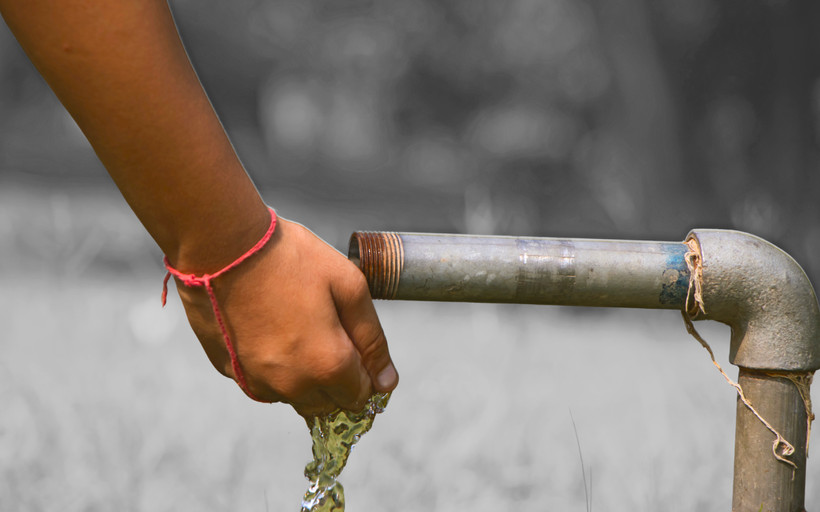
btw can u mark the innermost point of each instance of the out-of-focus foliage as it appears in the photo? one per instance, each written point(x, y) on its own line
point(611, 118)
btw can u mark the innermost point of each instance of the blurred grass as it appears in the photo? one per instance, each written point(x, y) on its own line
point(108, 403)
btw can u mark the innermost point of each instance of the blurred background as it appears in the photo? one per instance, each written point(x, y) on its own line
point(611, 119)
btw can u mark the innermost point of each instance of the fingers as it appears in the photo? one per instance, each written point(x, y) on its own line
point(327, 399)
point(319, 373)
point(303, 325)
point(359, 319)
point(341, 375)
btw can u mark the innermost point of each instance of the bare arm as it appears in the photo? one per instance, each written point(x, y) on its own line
point(121, 71)
point(304, 325)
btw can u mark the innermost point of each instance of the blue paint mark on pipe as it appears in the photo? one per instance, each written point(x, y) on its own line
point(676, 276)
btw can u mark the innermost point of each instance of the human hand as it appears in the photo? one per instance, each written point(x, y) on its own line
point(302, 322)
point(299, 313)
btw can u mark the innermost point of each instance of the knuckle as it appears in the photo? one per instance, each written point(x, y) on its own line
point(359, 284)
point(332, 363)
point(261, 390)
point(354, 287)
point(293, 377)
point(373, 347)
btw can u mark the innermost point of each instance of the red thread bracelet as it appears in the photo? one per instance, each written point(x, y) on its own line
point(205, 280)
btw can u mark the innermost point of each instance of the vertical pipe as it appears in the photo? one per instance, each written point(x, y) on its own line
point(762, 483)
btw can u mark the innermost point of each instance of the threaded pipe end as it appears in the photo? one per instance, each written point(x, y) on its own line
point(380, 256)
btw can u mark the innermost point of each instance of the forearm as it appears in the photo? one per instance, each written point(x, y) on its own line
point(123, 74)
point(300, 313)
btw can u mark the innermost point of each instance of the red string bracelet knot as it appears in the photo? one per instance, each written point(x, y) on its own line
point(204, 280)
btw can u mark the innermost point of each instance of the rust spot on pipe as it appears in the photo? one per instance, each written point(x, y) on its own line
point(380, 257)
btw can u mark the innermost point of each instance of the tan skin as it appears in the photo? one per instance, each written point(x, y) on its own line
point(300, 314)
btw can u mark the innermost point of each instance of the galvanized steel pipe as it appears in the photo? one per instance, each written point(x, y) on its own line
point(769, 302)
point(764, 295)
point(747, 283)
point(760, 481)
point(578, 272)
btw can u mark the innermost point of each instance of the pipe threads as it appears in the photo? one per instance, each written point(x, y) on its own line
point(380, 258)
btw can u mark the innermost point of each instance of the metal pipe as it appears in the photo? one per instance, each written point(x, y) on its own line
point(747, 283)
point(762, 482)
point(770, 305)
point(576, 272)
point(764, 296)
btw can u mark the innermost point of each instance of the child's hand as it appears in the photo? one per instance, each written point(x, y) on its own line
point(303, 324)
point(298, 312)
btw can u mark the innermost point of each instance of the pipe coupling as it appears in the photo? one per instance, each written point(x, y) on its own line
point(764, 296)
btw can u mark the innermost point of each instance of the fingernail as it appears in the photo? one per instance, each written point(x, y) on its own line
point(388, 378)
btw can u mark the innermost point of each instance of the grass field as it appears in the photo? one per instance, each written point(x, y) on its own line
point(108, 403)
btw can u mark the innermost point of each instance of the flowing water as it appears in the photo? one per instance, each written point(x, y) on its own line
point(333, 436)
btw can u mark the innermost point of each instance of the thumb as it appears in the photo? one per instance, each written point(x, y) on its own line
point(360, 321)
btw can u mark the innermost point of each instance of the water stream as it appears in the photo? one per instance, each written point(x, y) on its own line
point(333, 436)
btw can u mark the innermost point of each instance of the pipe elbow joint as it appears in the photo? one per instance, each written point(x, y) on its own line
point(764, 296)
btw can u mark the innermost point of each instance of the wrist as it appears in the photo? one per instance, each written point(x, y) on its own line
point(215, 239)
